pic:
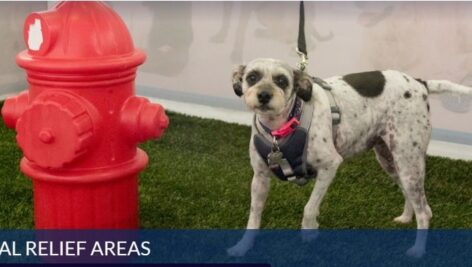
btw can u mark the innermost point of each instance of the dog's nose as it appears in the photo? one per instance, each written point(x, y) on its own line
point(264, 97)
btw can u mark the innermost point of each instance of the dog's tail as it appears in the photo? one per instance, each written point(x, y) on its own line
point(443, 86)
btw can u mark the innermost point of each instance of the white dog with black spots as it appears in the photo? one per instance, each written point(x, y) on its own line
point(384, 110)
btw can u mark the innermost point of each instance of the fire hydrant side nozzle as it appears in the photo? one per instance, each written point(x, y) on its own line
point(143, 120)
point(13, 108)
point(79, 122)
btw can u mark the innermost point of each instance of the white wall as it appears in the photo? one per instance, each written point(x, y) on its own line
point(12, 15)
point(192, 46)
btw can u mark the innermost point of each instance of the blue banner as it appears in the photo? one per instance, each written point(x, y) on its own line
point(265, 247)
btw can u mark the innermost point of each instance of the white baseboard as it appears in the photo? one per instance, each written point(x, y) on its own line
point(207, 112)
point(436, 148)
point(449, 150)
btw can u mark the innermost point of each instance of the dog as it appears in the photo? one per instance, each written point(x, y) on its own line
point(387, 111)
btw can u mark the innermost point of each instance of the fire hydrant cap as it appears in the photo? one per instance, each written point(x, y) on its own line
point(78, 37)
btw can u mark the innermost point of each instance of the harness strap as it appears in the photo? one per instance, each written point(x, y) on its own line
point(286, 169)
point(307, 115)
point(335, 111)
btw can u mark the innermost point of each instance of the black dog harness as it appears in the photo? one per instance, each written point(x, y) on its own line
point(286, 156)
point(285, 150)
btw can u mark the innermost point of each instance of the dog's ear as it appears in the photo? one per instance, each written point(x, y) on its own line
point(302, 85)
point(238, 80)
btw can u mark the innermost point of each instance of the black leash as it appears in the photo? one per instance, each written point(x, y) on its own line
point(303, 53)
point(301, 46)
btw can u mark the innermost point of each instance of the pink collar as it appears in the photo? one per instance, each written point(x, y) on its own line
point(286, 129)
point(291, 124)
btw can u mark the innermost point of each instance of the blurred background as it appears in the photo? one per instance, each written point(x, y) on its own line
point(192, 47)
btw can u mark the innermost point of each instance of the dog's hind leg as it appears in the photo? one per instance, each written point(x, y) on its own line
point(409, 161)
point(411, 171)
point(411, 176)
point(407, 213)
point(385, 159)
point(409, 157)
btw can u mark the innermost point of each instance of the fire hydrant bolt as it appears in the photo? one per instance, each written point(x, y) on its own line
point(46, 136)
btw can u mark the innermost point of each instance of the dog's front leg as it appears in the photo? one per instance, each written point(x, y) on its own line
point(259, 191)
point(312, 208)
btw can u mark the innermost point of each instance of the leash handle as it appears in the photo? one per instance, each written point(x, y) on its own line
point(301, 43)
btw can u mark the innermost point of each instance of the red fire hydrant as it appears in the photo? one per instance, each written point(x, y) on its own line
point(79, 123)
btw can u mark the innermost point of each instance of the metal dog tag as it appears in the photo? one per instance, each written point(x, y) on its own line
point(274, 158)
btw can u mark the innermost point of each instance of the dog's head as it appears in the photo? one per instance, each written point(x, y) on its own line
point(267, 85)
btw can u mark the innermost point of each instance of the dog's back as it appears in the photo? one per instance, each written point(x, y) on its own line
point(378, 104)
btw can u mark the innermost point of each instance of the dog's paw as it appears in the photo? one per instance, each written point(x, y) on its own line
point(416, 252)
point(238, 250)
point(402, 219)
point(309, 235)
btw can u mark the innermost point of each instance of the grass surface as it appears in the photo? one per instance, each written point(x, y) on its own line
point(199, 177)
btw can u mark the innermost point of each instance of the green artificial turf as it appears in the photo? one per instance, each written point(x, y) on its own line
point(199, 178)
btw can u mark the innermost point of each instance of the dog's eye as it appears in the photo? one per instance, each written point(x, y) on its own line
point(252, 78)
point(281, 81)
